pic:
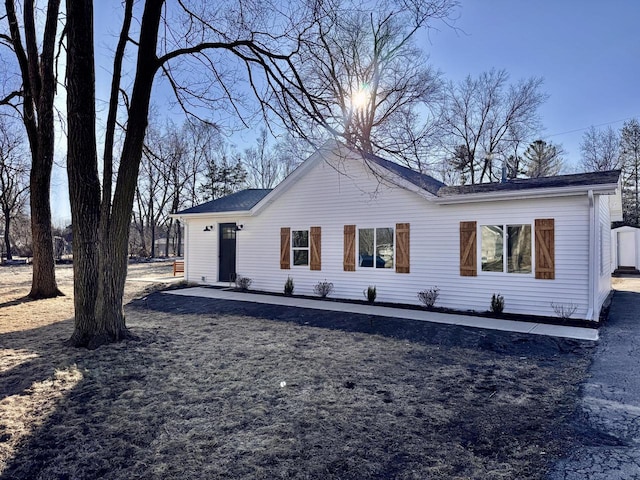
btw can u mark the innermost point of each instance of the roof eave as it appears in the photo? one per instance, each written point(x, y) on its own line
point(230, 213)
point(602, 189)
point(394, 180)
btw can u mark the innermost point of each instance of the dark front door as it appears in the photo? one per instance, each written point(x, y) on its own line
point(227, 252)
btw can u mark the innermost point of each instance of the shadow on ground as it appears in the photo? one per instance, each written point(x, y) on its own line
point(221, 389)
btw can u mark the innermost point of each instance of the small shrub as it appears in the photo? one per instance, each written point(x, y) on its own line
point(428, 297)
point(288, 286)
point(243, 283)
point(564, 310)
point(497, 303)
point(370, 293)
point(323, 289)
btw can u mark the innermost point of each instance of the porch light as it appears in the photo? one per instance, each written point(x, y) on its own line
point(208, 228)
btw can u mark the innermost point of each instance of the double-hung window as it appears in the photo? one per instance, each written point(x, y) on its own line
point(375, 247)
point(300, 247)
point(506, 248)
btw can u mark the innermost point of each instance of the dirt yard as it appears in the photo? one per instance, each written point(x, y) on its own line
point(236, 390)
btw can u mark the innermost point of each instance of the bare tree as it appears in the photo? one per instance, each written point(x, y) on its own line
point(542, 159)
point(203, 142)
point(262, 165)
point(373, 83)
point(630, 159)
point(14, 184)
point(172, 166)
point(600, 150)
point(33, 99)
point(224, 43)
point(153, 191)
point(290, 151)
point(485, 117)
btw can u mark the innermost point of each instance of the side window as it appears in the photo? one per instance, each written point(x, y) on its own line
point(375, 247)
point(300, 247)
point(515, 239)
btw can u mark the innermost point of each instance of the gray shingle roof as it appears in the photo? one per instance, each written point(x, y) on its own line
point(574, 180)
point(421, 180)
point(239, 201)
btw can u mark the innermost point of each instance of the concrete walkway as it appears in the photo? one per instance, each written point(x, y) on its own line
point(610, 403)
point(422, 315)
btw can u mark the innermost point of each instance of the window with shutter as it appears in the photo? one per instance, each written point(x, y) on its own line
point(285, 247)
point(315, 250)
point(545, 249)
point(402, 248)
point(349, 258)
point(376, 247)
point(468, 249)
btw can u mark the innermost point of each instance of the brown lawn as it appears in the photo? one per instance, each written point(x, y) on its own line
point(207, 393)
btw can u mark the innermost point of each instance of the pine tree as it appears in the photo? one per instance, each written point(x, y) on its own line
point(223, 178)
point(542, 159)
point(630, 161)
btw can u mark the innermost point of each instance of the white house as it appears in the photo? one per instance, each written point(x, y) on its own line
point(357, 220)
point(625, 249)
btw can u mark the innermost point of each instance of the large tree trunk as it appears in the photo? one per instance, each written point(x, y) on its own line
point(113, 269)
point(44, 276)
point(43, 284)
point(82, 170)
point(38, 81)
point(100, 278)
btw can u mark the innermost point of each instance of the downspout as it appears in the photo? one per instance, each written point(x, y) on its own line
point(592, 255)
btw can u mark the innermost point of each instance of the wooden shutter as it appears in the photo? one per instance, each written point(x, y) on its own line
point(349, 259)
point(468, 249)
point(402, 248)
point(545, 249)
point(285, 248)
point(315, 249)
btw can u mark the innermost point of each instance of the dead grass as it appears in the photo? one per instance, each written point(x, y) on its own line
point(209, 394)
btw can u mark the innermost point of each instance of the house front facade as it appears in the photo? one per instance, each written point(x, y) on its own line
point(358, 220)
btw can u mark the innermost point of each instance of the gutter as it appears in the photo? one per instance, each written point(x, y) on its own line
point(525, 193)
point(592, 256)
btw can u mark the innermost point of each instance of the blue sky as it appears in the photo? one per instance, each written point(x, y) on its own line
point(587, 51)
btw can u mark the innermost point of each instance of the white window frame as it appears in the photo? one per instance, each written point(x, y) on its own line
point(374, 268)
point(505, 246)
point(307, 248)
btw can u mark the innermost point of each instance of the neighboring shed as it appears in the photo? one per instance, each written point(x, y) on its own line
point(358, 220)
point(625, 249)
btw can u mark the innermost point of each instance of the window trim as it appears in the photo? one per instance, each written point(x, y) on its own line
point(307, 248)
point(505, 258)
point(373, 268)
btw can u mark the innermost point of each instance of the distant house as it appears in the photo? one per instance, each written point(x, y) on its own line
point(357, 220)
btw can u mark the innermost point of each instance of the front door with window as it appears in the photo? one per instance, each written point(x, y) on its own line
point(227, 252)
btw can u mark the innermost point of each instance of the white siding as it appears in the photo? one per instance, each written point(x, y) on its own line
point(201, 251)
point(603, 265)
